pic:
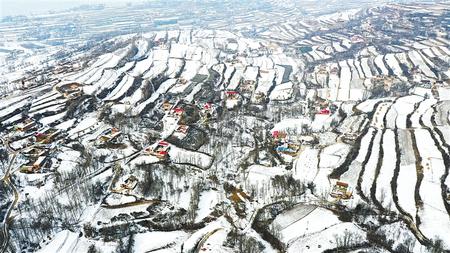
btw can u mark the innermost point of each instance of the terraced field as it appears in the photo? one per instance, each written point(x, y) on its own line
point(327, 133)
point(402, 164)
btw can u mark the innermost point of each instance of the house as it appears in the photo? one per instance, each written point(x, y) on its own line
point(40, 136)
point(232, 95)
point(26, 169)
point(232, 99)
point(37, 165)
point(161, 150)
point(279, 135)
point(40, 162)
point(324, 112)
point(334, 71)
point(27, 125)
point(259, 97)
point(180, 82)
point(160, 41)
point(322, 70)
point(73, 94)
point(250, 78)
point(183, 129)
point(110, 135)
point(129, 183)
point(167, 105)
point(349, 137)
point(207, 111)
point(70, 90)
point(178, 112)
point(248, 86)
point(207, 107)
point(357, 39)
point(441, 32)
point(34, 152)
point(47, 136)
point(308, 140)
point(288, 148)
point(341, 191)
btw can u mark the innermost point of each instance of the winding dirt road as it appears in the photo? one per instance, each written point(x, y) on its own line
point(4, 235)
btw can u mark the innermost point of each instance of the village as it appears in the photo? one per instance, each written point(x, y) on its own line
point(205, 140)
